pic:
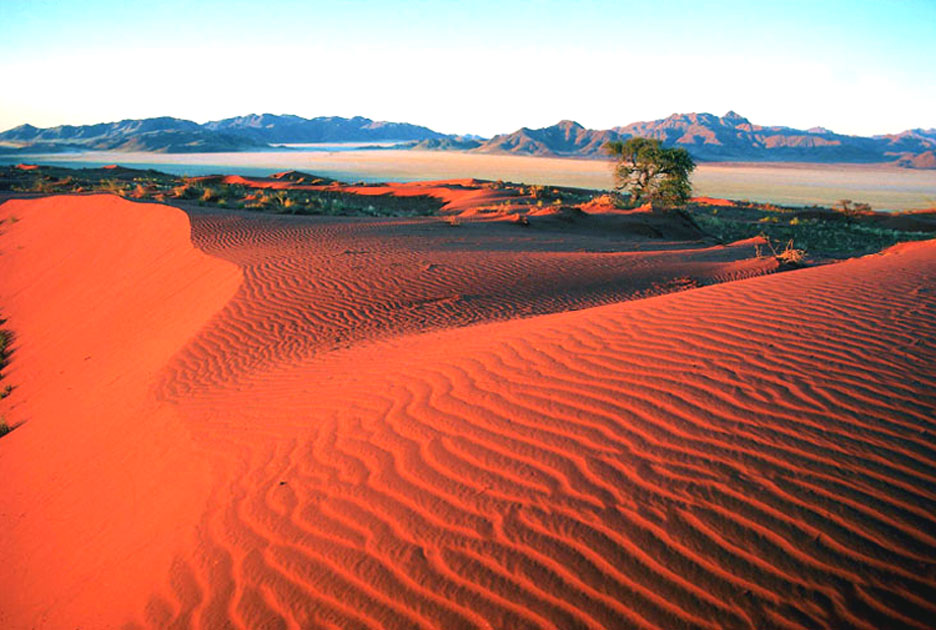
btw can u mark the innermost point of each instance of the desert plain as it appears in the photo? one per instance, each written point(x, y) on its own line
point(883, 186)
point(587, 418)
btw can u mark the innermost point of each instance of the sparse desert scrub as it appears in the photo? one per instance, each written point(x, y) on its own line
point(851, 209)
point(180, 191)
point(114, 187)
point(6, 338)
point(786, 253)
point(820, 232)
point(209, 194)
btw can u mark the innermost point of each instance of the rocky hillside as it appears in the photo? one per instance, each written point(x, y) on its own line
point(565, 138)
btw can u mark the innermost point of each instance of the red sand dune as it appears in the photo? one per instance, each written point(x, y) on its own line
point(312, 285)
point(256, 182)
point(713, 201)
point(457, 194)
point(754, 454)
point(100, 483)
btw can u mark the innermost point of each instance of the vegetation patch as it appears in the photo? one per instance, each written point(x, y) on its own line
point(292, 193)
point(650, 173)
point(6, 339)
point(822, 233)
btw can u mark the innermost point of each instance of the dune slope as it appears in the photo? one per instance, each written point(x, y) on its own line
point(755, 454)
point(101, 484)
point(315, 284)
point(749, 455)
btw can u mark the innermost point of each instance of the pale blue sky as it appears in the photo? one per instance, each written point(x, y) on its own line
point(484, 67)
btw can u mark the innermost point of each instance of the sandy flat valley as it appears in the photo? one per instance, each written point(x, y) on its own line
point(884, 187)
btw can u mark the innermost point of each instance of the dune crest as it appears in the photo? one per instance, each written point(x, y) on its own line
point(101, 482)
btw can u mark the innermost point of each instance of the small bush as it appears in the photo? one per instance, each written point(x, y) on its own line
point(114, 187)
point(5, 338)
point(792, 255)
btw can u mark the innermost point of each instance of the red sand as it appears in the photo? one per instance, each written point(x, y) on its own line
point(101, 483)
point(455, 198)
point(754, 454)
point(713, 201)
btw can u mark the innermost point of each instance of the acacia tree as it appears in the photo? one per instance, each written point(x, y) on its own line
point(648, 172)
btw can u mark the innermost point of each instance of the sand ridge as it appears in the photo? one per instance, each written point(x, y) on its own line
point(755, 454)
point(100, 293)
point(316, 284)
point(752, 454)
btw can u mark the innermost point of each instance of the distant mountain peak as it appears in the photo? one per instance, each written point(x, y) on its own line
point(735, 119)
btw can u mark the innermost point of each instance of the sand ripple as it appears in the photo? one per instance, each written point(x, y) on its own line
point(751, 455)
point(401, 424)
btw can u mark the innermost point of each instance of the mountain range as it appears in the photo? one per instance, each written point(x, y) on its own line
point(243, 133)
point(707, 137)
point(160, 135)
point(727, 138)
point(286, 129)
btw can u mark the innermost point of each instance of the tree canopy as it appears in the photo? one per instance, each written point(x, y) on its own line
point(648, 172)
